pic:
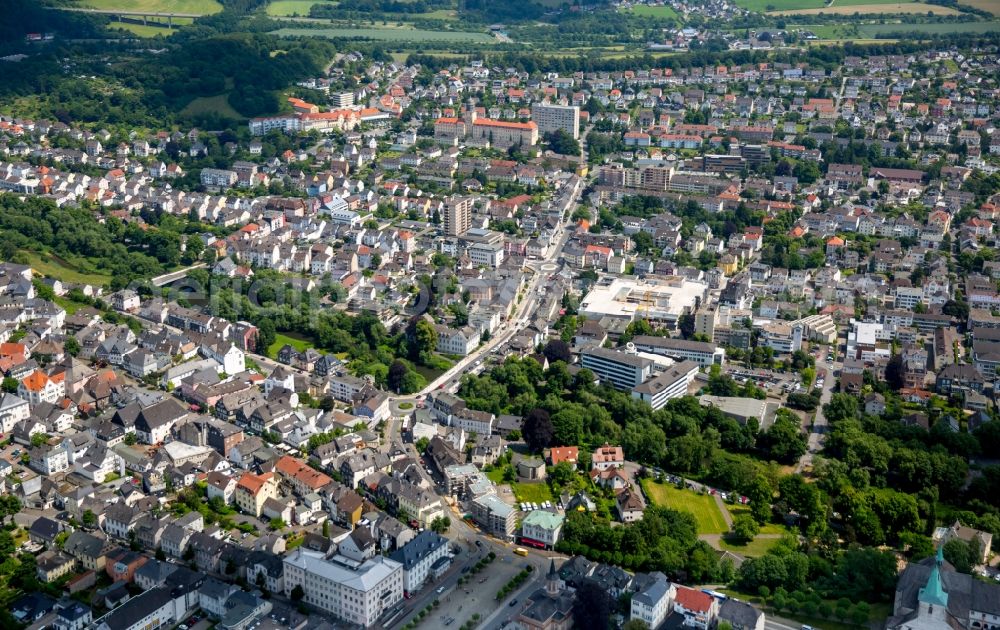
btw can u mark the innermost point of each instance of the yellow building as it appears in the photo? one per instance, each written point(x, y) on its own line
point(253, 490)
point(729, 265)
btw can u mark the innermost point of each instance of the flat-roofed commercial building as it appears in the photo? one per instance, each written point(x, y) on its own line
point(701, 352)
point(671, 383)
point(624, 370)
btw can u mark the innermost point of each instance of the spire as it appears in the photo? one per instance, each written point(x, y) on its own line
point(933, 592)
point(552, 569)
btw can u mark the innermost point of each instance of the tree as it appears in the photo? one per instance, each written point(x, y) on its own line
point(784, 440)
point(745, 529)
point(131, 438)
point(277, 524)
point(10, 385)
point(441, 524)
point(71, 346)
point(592, 608)
point(89, 519)
point(326, 528)
point(422, 444)
point(397, 372)
point(894, 372)
point(639, 624)
point(9, 506)
point(538, 429)
point(956, 551)
point(298, 593)
point(557, 350)
point(38, 439)
point(424, 340)
point(160, 554)
point(266, 333)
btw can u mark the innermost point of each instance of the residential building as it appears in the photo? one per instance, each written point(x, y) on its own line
point(653, 603)
point(550, 118)
point(494, 516)
point(425, 557)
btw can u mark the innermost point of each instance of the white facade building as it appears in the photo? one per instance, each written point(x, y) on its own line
point(357, 592)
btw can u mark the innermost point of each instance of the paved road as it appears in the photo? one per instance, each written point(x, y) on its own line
point(820, 426)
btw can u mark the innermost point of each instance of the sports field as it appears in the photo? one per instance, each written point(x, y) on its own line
point(706, 511)
point(873, 9)
point(200, 7)
point(389, 34)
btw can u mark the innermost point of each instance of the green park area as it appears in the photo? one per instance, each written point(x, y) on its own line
point(280, 339)
point(702, 506)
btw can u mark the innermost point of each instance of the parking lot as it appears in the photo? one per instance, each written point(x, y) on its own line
point(774, 383)
point(459, 603)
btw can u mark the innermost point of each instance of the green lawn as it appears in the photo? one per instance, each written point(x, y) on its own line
point(779, 5)
point(285, 8)
point(703, 506)
point(281, 339)
point(770, 528)
point(51, 266)
point(495, 475)
point(532, 492)
point(388, 34)
point(754, 549)
point(200, 7)
point(654, 12)
point(142, 30)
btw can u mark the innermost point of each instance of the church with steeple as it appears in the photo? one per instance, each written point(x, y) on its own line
point(931, 595)
point(550, 607)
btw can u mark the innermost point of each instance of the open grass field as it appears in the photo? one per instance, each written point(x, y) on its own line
point(201, 7)
point(533, 492)
point(754, 549)
point(770, 528)
point(390, 34)
point(283, 8)
point(875, 30)
point(993, 6)
point(703, 506)
point(874, 9)
point(654, 12)
point(218, 104)
point(281, 339)
point(762, 6)
point(52, 266)
point(144, 31)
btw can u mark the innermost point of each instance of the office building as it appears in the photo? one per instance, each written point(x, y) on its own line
point(624, 370)
point(671, 383)
point(661, 300)
point(541, 527)
point(356, 592)
point(701, 352)
point(494, 516)
point(550, 118)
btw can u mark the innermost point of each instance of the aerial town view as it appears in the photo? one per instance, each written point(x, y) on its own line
point(499, 314)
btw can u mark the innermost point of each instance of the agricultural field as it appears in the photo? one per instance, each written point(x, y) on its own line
point(762, 6)
point(200, 7)
point(993, 6)
point(396, 35)
point(874, 9)
point(285, 8)
point(654, 12)
point(702, 506)
point(875, 30)
point(218, 104)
